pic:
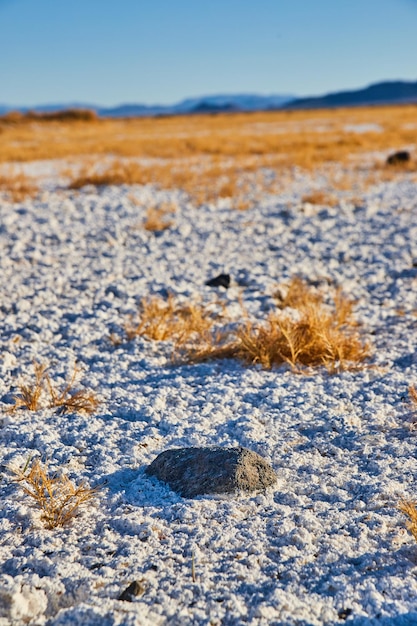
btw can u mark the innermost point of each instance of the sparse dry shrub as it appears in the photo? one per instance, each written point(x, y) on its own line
point(43, 393)
point(58, 498)
point(30, 395)
point(312, 335)
point(413, 394)
point(12, 117)
point(308, 333)
point(16, 185)
point(69, 400)
point(241, 204)
point(157, 217)
point(321, 198)
point(115, 173)
point(202, 181)
point(210, 345)
point(67, 115)
point(163, 320)
point(297, 294)
point(317, 337)
point(408, 507)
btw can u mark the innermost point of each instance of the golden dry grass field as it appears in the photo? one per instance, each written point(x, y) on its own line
point(209, 156)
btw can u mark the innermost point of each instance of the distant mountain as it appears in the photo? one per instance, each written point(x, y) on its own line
point(204, 104)
point(389, 92)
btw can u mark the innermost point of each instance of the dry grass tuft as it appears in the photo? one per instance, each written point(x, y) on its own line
point(156, 218)
point(211, 345)
point(203, 181)
point(297, 294)
point(408, 507)
point(68, 400)
point(30, 395)
point(58, 498)
point(321, 198)
point(317, 337)
point(67, 115)
point(43, 393)
point(163, 320)
point(16, 185)
point(117, 172)
point(310, 335)
point(413, 394)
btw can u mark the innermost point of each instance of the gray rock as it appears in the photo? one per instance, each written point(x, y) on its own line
point(196, 471)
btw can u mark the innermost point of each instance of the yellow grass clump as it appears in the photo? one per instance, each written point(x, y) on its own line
point(43, 393)
point(58, 498)
point(16, 185)
point(30, 394)
point(315, 337)
point(320, 197)
point(306, 332)
point(157, 219)
point(163, 319)
point(313, 334)
point(203, 180)
point(117, 172)
point(297, 295)
point(409, 509)
point(69, 400)
point(67, 115)
point(413, 394)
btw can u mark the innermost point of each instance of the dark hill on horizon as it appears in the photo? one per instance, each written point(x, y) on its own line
point(389, 92)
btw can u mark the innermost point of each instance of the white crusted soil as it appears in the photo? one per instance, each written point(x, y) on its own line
point(327, 544)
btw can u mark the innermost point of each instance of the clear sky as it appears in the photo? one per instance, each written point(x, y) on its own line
point(109, 52)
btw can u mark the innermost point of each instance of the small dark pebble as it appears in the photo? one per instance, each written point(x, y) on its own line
point(97, 566)
point(153, 567)
point(344, 613)
point(222, 280)
point(132, 591)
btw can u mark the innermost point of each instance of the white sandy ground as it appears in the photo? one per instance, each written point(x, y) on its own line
point(328, 540)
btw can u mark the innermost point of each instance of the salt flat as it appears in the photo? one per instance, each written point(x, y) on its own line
point(328, 544)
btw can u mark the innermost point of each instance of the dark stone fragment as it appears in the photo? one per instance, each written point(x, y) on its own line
point(403, 156)
point(196, 471)
point(132, 591)
point(344, 613)
point(222, 280)
point(97, 566)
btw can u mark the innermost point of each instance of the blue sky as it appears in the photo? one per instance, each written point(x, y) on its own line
point(160, 51)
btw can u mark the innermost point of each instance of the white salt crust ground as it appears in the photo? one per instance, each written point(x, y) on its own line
point(327, 545)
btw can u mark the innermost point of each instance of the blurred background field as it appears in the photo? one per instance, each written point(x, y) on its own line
point(209, 156)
